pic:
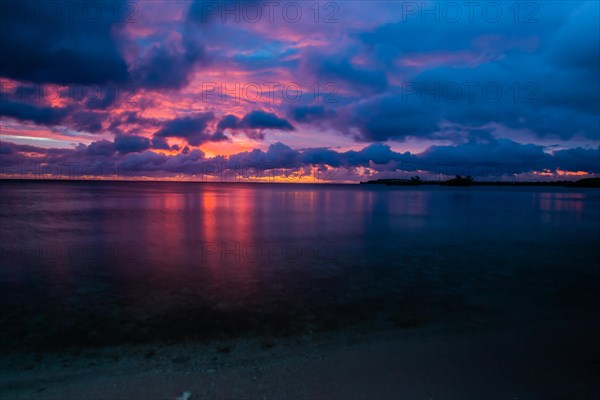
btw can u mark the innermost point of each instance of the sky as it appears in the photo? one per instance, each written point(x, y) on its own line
point(304, 91)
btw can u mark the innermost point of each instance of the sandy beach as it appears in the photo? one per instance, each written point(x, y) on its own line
point(541, 360)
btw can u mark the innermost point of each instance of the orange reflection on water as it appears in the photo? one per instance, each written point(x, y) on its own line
point(557, 207)
point(558, 202)
point(229, 249)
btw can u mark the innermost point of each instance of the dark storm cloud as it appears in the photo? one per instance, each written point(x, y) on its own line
point(265, 120)
point(498, 152)
point(391, 116)
point(160, 143)
point(66, 42)
point(278, 155)
point(229, 122)
point(546, 99)
point(341, 73)
point(577, 41)
point(101, 148)
point(75, 117)
point(311, 113)
point(38, 114)
point(56, 42)
point(12, 148)
point(419, 32)
point(577, 159)
point(502, 157)
point(166, 67)
point(522, 92)
point(131, 144)
point(88, 121)
point(505, 154)
point(186, 126)
point(320, 156)
point(255, 120)
point(193, 128)
point(375, 153)
point(547, 73)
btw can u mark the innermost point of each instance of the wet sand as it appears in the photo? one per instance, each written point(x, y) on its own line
point(539, 360)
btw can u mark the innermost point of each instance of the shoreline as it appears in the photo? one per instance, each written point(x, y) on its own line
point(550, 359)
point(571, 184)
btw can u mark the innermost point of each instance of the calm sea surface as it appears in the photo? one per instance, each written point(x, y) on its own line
point(94, 263)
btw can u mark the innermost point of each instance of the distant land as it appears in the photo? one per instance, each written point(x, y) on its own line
point(469, 181)
point(414, 181)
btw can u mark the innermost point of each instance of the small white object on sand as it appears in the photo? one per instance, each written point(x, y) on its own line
point(185, 396)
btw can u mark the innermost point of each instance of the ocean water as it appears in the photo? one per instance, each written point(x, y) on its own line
point(103, 263)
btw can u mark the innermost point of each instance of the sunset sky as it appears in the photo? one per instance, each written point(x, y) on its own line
point(300, 91)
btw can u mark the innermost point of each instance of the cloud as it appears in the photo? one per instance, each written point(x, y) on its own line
point(375, 153)
point(193, 128)
point(41, 44)
point(311, 113)
point(341, 72)
point(102, 148)
point(547, 71)
point(577, 159)
point(38, 114)
point(265, 120)
point(88, 121)
point(131, 144)
point(160, 143)
point(320, 156)
point(166, 67)
point(374, 160)
point(390, 116)
point(254, 123)
point(499, 152)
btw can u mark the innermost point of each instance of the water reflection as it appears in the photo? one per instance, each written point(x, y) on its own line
point(571, 202)
point(557, 206)
point(134, 260)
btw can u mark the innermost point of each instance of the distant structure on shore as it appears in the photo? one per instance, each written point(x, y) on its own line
point(414, 181)
point(458, 181)
point(469, 181)
point(587, 182)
